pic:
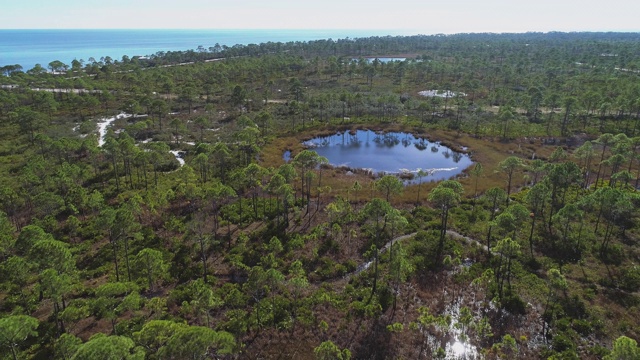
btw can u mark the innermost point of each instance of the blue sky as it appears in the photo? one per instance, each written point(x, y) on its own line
point(412, 16)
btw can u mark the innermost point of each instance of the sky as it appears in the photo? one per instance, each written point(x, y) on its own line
point(408, 16)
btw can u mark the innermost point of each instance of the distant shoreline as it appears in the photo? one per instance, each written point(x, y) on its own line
point(28, 47)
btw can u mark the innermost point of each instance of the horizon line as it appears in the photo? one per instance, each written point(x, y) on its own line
point(413, 31)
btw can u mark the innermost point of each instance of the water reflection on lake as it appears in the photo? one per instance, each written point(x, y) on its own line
point(383, 59)
point(391, 153)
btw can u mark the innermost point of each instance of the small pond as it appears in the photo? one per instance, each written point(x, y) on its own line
point(383, 59)
point(391, 153)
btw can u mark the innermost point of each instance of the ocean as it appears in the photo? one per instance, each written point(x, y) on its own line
point(30, 47)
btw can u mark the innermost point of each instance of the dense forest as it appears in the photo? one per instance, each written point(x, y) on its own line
point(146, 209)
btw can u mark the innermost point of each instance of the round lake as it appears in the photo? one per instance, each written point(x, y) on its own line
point(391, 153)
point(382, 59)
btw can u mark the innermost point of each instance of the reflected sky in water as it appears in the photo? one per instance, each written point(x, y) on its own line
point(392, 152)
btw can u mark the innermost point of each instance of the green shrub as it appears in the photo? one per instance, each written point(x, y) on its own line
point(583, 327)
point(129, 326)
point(598, 351)
point(630, 280)
point(350, 265)
point(615, 254)
point(385, 297)
point(513, 303)
point(562, 342)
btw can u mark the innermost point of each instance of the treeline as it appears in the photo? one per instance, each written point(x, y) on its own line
point(456, 45)
point(545, 84)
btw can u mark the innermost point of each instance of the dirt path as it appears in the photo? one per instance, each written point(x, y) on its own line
point(365, 266)
point(468, 240)
point(453, 234)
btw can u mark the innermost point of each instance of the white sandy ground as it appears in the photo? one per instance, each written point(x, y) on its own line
point(440, 93)
point(176, 153)
point(104, 123)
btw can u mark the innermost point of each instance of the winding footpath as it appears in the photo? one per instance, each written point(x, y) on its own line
point(453, 234)
point(104, 123)
point(468, 240)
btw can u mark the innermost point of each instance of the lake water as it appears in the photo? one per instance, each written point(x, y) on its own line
point(381, 59)
point(391, 153)
point(30, 47)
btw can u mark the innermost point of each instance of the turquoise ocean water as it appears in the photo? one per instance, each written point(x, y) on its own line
point(30, 47)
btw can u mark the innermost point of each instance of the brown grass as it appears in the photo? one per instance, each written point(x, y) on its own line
point(487, 151)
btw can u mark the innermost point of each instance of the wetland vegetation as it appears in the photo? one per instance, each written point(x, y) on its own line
point(183, 233)
point(413, 159)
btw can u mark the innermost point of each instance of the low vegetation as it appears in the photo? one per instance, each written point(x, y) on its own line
point(186, 234)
